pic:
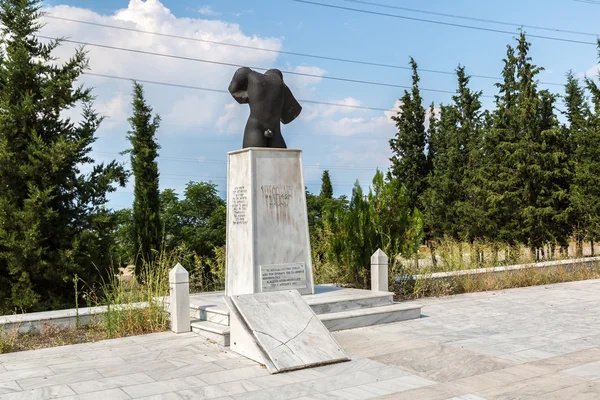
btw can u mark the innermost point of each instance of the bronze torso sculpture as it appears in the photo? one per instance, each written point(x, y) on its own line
point(270, 101)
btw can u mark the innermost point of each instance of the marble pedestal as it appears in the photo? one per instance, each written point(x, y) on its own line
point(268, 244)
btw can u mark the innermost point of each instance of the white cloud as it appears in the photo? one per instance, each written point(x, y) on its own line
point(116, 109)
point(593, 72)
point(184, 108)
point(208, 11)
point(234, 119)
point(303, 86)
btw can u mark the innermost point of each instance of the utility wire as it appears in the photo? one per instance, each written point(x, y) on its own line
point(151, 53)
point(439, 22)
point(224, 91)
point(222, 162)
point(321, 57)
point(491, 21)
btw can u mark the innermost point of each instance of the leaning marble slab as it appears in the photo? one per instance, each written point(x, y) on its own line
point(281, 331)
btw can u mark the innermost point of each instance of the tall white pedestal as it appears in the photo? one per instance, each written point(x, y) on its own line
point(268, 244)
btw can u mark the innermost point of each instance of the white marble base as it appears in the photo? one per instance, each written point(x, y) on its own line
point(279, 330)
point(268, 244)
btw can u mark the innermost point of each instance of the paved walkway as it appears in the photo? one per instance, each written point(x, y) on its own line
point(530, 343)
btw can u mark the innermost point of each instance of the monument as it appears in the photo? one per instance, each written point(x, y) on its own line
point(268, 244)
point(271, 311)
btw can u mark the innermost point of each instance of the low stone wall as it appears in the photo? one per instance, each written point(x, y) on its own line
point(33, 322)
point(478, 271)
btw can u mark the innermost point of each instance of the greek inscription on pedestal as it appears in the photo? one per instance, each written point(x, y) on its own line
point(283, 277)
point(277, 195)
point(239, 205)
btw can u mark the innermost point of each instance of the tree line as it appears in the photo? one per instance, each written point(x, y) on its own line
point(512, 175)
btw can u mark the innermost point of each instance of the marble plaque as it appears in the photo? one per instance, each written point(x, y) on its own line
point(283, 276)
point(281, 331)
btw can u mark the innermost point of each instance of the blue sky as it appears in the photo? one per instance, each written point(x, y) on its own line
point(199, 128)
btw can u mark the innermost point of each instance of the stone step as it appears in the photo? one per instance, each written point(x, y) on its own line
point(209, 307)
point(349, 301)
point(211, 314)
point(333, 321)
point(370, 316)
point(218, 333)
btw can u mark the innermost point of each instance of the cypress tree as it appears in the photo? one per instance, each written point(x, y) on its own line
point(146, 206)
point(326, 187)
point(585, 191)
point(53, 223)
point(439, 197)
point(448, 207)
point(409, 162)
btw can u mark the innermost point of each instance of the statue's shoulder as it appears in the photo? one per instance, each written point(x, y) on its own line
point(243, 72)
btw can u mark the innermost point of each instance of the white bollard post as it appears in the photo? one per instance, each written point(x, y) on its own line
point(179, 304)
point(379, 271)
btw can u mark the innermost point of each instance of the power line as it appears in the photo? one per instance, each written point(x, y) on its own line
point(151, 53)
point(222, 162)
point(440, 22)
point(226, 92)
point(491, 21)
point(182, 177)
point(320, 57)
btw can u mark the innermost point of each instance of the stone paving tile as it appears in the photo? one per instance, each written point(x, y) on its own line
point(284, 392)
point(58, 379)
point(174, 372)
point(234, 375)
point(112, 394)
point(585, 391)
point(88, 365)
point(589, 371)
point(9, 387)
point(269, 381)
point(131, 368)
point(531, 388)
point(164, 396)
point(172, 385)
point(206, 392)
point(527, 356)
point(433, 392)
point(97, 385)
point(108, 352)
point(50, 392)
point(15, 365)
point(24, 374)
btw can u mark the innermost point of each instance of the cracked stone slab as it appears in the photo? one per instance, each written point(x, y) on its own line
point(281, 331)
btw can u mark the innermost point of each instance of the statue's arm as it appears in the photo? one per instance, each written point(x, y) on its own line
point(291, 108)
point(239, 85)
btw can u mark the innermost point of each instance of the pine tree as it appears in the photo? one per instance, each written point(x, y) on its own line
point(147, 230)
point(409, 162)
point(326, 187)
point(52, 222)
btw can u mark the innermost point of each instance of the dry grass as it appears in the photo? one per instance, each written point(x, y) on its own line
point(49, 336)
point(428, 287)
